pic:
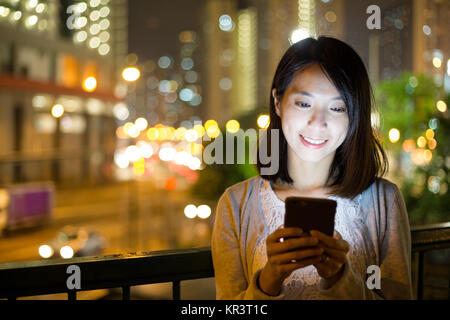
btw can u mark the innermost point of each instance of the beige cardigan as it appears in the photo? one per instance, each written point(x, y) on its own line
point(240, 227)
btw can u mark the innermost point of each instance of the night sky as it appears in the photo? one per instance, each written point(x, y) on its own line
point(154, 25)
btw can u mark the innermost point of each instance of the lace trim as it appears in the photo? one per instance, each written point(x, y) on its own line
point(304, 283)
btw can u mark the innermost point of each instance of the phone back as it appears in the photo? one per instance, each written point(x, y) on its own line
point(310, 214)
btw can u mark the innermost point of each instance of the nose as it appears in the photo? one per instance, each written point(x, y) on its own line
point(318, 118)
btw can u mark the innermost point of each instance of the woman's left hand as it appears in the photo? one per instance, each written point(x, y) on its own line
point(335, 254)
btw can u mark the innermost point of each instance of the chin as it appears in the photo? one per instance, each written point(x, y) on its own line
point(311, 159)
point(309, 156)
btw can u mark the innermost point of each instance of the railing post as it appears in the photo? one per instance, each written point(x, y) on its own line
point(176, 290)
point(72, 295)
point(420, 276)
point(126, 293)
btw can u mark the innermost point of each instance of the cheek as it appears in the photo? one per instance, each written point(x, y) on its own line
point(292, 120)
point(341, 128)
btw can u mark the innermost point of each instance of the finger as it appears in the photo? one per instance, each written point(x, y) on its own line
point(283, 233)
point(337, 235)
point(297, 255)
point(288, 268)
point(335, 254)
point(330, 241)
point(332, 263)
point(324, 270)
point(291, 244)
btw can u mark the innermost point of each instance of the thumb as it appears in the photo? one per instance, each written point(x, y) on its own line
point(337, 235)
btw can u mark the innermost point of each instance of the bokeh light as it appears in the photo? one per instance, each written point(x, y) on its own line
point(421, 142)
point(441, 106)
point(141, 123)
point(394, 135)
point(131, 74)
point(263, 121)
point(45, 251)
point(190, 211)
point(57, 111)
point(203, 211)
point(66, 252)
point(232, 126)
point(90, 84)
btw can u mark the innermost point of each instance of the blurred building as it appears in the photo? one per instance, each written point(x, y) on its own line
point(170, 89)
point(59, 76)
point(245, 39)
point(244, 42)
point(413, 37)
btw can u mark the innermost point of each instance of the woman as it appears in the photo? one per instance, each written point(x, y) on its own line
point(321, 101)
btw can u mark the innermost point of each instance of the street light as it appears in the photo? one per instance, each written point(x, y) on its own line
point(131, 74)
point(57, 110)
point(298, 35)
point(90, 84)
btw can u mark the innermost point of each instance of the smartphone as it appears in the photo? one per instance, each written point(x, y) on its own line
point(310, 214)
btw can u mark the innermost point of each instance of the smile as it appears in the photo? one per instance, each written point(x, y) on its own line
point(312, 143)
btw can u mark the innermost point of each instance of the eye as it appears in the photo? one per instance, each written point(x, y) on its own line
point(337, 109)
point(302, 104)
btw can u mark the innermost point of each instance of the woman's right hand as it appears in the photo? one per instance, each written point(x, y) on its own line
point(296, 250)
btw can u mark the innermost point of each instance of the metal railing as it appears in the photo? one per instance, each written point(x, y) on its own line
point(427, 238)
point(18, 279)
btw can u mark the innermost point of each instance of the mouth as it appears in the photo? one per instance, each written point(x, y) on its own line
point(313, 143)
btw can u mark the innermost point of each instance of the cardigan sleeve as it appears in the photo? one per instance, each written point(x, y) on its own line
point(395, 251)
point(395, 259)
point(230, 280)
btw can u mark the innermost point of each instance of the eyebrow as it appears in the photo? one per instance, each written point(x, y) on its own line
point(306, 93)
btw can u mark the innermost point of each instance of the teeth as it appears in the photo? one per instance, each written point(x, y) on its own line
point(314, 141)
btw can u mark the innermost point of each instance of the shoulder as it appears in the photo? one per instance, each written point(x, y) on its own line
point(381, 198)
point(385, 190)
point(234, 200)
point(386, 199)
point(242, 189)
point(236, 196)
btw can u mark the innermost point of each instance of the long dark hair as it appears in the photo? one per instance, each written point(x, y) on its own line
point(360, 160)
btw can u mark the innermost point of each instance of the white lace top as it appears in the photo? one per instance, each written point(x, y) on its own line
point(375, 224)
point(304, 283)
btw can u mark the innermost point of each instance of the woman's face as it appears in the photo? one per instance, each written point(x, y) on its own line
point(314, 117)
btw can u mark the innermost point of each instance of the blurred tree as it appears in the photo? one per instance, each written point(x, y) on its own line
point(420, 156)
point(215, 178)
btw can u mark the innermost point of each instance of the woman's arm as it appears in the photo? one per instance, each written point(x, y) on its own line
point(395, 251)
point(228, 263)
point(395, 258)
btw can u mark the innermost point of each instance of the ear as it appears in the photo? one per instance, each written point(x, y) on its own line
point(276, 102)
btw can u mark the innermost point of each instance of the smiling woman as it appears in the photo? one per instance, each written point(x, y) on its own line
point(322, 88)
point(321, 101)
point(314, 121)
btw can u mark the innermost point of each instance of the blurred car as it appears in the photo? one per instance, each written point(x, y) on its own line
point(73, 242)
point(26, 205)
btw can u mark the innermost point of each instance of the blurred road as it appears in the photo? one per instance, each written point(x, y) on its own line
point(130, 216)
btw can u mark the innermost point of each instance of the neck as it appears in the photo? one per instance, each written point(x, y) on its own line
point(308, 176)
